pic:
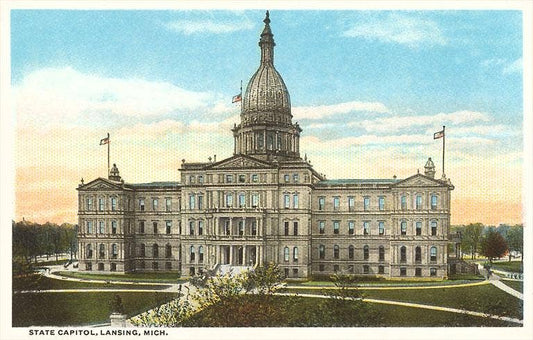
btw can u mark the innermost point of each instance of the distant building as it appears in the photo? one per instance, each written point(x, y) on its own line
point(266, 203)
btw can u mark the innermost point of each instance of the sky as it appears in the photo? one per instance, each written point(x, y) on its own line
point(368, 88)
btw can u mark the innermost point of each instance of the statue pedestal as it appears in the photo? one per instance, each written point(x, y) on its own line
point(118, 320)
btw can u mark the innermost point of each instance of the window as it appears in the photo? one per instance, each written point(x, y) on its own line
point(295, 178)
point(336, 203)
point(168, 226)
point(403, 227)
point(242, 200)
point(113, 227)
point(295, 254)
point(200, 254)
point(351, 252)
point(229, 178)
point(255, 200)
point(255, 178)
point(155, 250)
point(335, 251)
point(155, 227)
point(433, 202)
point(286, 254)
point(418, 271)
point(254, 228)
point(168, 251)
point(295, 272)
point(321, 251)
point(432, 271)
point(321, 227)
point(101, 227)
point(192, 202)
point(321, 267)
point(286, 228)
point(287, 201)
point(350, 269)
point(433, 228)
point(418, 202)
point(351, 203)
point(295, 201)
point(418, 228)
point(381, 228)
point(433, 254)
point(168, 204)
point(403, 200)
point(192, 179)
point(295, 228)
point(403, 254)
point(286, 178)
point(89, 253)
point(335, 268)
point(227, 227)
point(366, 203)
point(200, 179)
point(155, 204)
point(381, 270)
point(168, 265)
point(142, 265)
point(351, 227)
point(89, 227)
point(381, 253)
point(381, 203)
point(418, 255)
point(200, 202)
point(366, 227)
point(286, 270)
point(113, 203)
point(89, 203)
point(191, 227)
point(100, 266)
point(155, 266)
point(101, 204)
point(141, 227)
point(192, 254)
point(242, 178)
point(241, 228)
point(336, 227)
point(321, 203)
point(366, 252)
point(141, 204)
point(366, 269)
point(200, 227)
point(192, 271)
point(229, 200)
point(142, 250)
point(101, 251)
point(403, 271)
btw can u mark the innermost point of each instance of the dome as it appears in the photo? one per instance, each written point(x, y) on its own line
point(266, 92)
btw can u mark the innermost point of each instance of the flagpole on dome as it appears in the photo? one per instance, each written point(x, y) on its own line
point(443, 149)
point(108, 153)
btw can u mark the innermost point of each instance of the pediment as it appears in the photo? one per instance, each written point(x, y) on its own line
point(419, 180)
point(101, 184)
point(240, 162)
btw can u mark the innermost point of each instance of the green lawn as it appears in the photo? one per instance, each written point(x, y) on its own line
point(309, 312)
point(513, 266)
point(130, 277)
point(39, 282)
point(458, 280)
point(77, 309)
point(516, 285)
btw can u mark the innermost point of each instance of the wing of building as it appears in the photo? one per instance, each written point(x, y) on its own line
point(266, 204)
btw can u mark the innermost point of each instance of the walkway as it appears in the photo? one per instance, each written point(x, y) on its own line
point(495, 280)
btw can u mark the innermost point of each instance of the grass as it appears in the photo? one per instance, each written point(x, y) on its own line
point(456, 280)
point(130, 277)
point(513, 266)
point(39, 282)
point(309, 312)
point(78, 309)
point(516, 285)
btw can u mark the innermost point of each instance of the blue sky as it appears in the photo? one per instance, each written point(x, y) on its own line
point(369, 88)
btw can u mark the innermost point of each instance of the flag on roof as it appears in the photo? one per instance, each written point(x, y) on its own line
point(236, 98)
point(104, 141)
point(438, 134)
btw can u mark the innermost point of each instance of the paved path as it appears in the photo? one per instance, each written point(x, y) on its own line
point(416, 305)
point(470, 284)
point(495, 280)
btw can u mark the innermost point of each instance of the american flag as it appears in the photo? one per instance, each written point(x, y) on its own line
point(236, 98)
point(438, 134)
point(104, 141)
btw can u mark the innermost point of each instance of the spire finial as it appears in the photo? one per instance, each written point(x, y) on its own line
point(267, 18)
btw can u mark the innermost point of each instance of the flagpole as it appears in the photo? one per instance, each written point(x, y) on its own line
point(443, 149)
point(108, 147)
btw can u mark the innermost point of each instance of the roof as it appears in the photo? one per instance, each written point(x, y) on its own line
point(155, 185)
point(348, 181)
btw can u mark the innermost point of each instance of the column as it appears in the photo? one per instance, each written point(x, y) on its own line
point(230, 226)
point(244, 262)
point(244, 226)
point(231, 255)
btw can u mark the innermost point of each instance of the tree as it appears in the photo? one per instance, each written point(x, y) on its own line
point(515, 240)
point(472, 237)
point(266, 279)
point(493, 245)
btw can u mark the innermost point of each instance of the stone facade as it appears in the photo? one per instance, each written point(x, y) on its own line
point(266, 204)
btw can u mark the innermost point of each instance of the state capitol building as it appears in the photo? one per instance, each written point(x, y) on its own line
point(266, 204)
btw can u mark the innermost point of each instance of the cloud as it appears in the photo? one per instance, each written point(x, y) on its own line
point(322, 111)
point(398, 28)
point(189, 27)
point(514, 67)
point(64, 95)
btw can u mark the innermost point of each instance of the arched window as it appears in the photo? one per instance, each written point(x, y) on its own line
point(114, 250)
point(168, 251)
point(201, 254)
point(101, 251)
point(403, 200)
point(403, 254)
point(381, 253)
point(142, 250)
point(192, 253)
point(434, 202)
point(155, 250)
point(366, 252)
point(89, 253)
point(113, 227)
point(295, 253)
point(403, 227)
point(336, 251)
point(418, 228)
point(321, 251)
point(351, 252)
point(433, 228)
point(418, 255)
point(433, 254)
point(286, 254)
